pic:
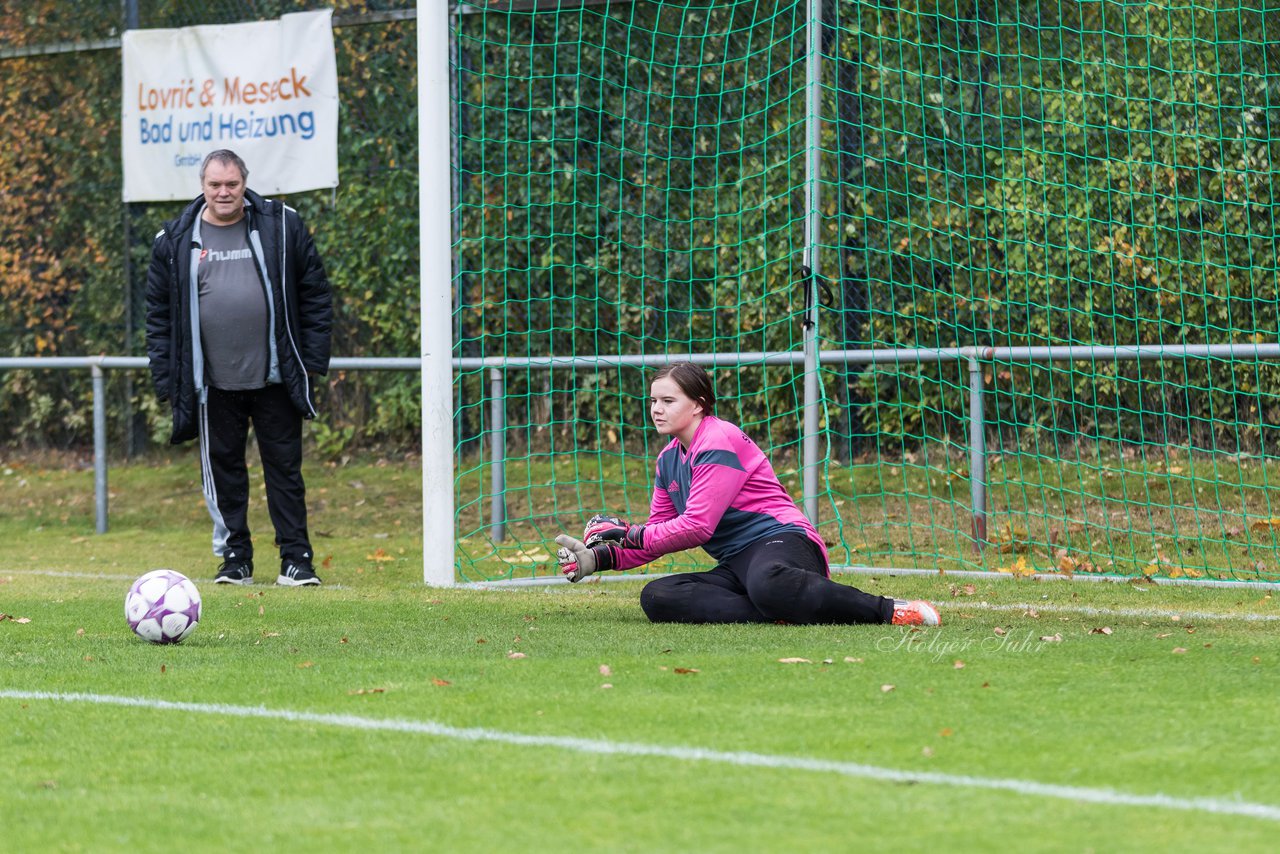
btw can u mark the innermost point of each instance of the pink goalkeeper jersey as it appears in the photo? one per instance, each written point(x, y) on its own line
point(720, 494)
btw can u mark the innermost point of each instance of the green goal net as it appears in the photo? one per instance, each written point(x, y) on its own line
point(993, 182)
point(630, 185)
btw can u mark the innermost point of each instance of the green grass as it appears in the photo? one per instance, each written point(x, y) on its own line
point(1181, 707)
point(1175, 515)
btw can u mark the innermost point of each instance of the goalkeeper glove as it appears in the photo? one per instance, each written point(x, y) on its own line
point(602, 528)
point(577, 561)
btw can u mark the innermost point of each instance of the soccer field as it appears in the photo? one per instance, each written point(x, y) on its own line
point(375, 712)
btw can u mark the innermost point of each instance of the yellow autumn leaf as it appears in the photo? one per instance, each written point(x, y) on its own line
point(1018, 569)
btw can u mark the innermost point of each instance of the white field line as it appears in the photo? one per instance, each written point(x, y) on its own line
point(953, 605)
point(1079, 794)
point(57, 573)
point(946, 606)
point(264, 579)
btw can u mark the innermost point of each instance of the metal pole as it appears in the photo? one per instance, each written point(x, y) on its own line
point(813, 163)
point(99, 448)
point(498, 465)
point(977, 454)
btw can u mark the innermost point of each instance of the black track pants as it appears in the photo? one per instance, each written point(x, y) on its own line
point(224, 434)
point(778, 579)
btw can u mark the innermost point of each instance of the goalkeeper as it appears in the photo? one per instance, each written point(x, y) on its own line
point(716, 489)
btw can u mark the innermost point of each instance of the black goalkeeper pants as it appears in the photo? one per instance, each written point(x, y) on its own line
point(778, 579)
point(224, 435)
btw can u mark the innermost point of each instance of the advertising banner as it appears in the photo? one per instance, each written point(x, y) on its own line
point(266, 90)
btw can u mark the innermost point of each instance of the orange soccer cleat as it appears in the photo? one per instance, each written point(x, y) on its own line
point(915, 613)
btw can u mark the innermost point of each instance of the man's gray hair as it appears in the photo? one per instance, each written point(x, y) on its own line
point(225, 156)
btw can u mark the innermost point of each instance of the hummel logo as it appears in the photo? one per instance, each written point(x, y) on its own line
point(674, 486)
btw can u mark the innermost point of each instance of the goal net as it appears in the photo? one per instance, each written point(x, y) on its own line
point(634, 182)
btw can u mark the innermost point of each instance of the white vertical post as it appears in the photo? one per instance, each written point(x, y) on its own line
point(435, 264)
point(811, 451)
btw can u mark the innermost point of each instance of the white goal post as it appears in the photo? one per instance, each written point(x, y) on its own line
point(435, 294)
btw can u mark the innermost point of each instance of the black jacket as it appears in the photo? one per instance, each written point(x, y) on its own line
point(299, 288)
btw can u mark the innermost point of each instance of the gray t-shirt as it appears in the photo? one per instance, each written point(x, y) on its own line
point(233, 310)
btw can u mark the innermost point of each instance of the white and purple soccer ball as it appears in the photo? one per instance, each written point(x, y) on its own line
point(162, 606)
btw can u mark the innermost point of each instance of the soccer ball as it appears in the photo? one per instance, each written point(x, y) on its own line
point(162, 606)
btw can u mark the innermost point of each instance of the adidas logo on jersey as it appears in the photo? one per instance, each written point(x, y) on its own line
point(673, 486)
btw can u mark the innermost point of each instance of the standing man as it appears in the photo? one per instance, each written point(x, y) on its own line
point(238, 320)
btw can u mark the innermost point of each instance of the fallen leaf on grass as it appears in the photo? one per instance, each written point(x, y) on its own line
point(958, 665)
point(946, 732)
point(606, 670)
point(794, 661)
point(360, 691)
point(1178, 650)
point(851, 660)
point(1164, 635)
point(1019, 569)
point(885, 689)
point(304, 664)
point(516, 655)
point(687, 670)
point(13, 619)
point(1000, 632)
point(1102, 630)
point(441, 682)
point(379, 555)
point(1051, 638)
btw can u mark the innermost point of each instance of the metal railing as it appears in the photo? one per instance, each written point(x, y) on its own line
point(497, 366)
point(99, 365)
point(974, 357)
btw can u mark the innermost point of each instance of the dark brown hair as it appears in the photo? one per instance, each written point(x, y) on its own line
point(693, 381)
